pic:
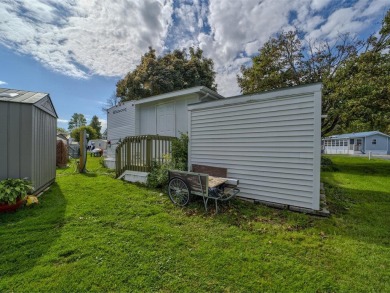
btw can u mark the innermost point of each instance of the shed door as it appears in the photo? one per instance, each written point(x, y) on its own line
point(166, 119)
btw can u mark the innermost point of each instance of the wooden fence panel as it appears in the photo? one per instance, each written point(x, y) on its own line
point(137, 153)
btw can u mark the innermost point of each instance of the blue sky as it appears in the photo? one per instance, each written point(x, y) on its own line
point(77, 50)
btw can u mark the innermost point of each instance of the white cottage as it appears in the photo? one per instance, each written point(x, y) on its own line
point(164, 114)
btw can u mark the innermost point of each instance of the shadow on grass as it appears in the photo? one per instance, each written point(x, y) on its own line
point(27, 234)
point(360, 214)
point(89, 174)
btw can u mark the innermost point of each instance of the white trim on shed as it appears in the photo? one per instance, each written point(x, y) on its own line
point(270, 141)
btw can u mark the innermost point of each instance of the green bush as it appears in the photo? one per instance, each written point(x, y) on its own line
point(158, 176)
point(325, 161)
point(327, 165)
point(13, 189)
point(180, 152)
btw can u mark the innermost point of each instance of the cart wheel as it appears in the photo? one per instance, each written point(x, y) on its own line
point(179, 193)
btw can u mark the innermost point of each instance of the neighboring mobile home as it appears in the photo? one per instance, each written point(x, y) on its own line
point(357, 143)
point(28, 126)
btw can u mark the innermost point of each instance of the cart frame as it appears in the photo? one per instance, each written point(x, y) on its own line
point(183, 185)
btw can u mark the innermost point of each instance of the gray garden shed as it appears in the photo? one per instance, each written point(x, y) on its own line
point(28, 129)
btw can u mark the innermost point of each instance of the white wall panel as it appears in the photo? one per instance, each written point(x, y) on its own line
point(270, 142)
point(121, 121)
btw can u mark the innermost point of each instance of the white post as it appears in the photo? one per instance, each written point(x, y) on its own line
point(369, 155)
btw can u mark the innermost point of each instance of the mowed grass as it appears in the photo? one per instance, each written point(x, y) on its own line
point(92, 232)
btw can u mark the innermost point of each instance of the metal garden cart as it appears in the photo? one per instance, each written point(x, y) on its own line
point(183, 185)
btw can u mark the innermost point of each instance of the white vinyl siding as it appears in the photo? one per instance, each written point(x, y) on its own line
point(270, 142)
point(171, 112)
point(147, 118)
point(121, 122)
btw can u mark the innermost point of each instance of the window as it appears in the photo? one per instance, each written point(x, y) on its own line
point(374, 141)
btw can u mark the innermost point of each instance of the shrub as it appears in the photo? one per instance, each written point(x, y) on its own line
point(327, 165)
point(13, 189)
point(180, 152)
point(158, 176)
point(325, 161)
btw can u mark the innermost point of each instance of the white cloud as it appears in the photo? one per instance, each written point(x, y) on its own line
point(238, 30)
point(319, 4)
point(63, 123)
point(104, 124)
point(87, 37)
point(3, 82)
point(354, 19)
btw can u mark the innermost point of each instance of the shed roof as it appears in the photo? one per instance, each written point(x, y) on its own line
point(41, 100)
point(357, 134)
point(254, 97)
point(193, 90)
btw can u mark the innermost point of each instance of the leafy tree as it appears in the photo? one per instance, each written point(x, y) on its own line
point(365, 85)
point(174, 71)
point(286, 61)
point(97, 125)
point(90, 132)
point(62, 130)
point(76, 121)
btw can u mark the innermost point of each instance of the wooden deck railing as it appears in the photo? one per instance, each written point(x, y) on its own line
point(137, 153)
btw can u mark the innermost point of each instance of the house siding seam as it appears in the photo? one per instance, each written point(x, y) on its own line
point(271, 145)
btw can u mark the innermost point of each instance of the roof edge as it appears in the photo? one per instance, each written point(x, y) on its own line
point(308, 88)
point(179, 93)
point(356, 134)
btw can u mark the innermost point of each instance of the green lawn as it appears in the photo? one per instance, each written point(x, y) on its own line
point(94, 233)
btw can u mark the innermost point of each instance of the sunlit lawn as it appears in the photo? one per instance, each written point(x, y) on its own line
point(95, 233)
